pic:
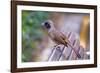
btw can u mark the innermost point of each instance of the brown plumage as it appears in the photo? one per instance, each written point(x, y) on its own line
point(57, 36)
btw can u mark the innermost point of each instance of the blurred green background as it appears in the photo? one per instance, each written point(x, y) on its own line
point(32, 33)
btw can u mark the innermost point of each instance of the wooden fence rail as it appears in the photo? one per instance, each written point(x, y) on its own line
point(61, 52)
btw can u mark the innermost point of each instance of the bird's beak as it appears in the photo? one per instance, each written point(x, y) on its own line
point(42, 24)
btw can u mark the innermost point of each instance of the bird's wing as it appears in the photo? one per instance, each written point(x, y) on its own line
point(61, 37)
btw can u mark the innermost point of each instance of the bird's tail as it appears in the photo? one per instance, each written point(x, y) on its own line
point(76, 52)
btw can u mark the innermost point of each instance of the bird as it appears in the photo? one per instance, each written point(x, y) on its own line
point(57, 36)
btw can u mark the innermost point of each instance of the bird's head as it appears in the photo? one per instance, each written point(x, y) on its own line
point(48, 24)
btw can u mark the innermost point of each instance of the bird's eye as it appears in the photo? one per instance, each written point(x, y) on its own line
point(47, 25)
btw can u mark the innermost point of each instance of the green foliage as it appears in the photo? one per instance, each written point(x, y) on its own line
point(32, 31)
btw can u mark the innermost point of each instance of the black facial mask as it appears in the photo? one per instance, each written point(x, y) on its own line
point(47, 25)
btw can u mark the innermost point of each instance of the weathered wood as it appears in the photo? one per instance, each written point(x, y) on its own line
point(66, 53)
point(61, 52)
point(76, 45)
point(57, 51)
point(81, 52)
